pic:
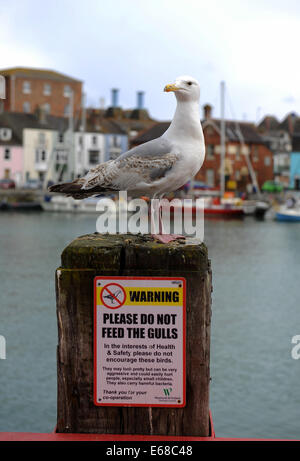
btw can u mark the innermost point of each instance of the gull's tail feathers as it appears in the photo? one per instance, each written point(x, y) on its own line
point(74, 189)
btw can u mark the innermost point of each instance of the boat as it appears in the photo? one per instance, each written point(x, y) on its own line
point(212, 207)
point(227, 208)
point(261, 208)
point(225, 211)
point(288, 214)
point(60, 203)
point(257, 208)
point(20, 206)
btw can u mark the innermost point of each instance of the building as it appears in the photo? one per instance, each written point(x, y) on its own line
point(51, 148)
point(129, 121)
point(278, 136)
point(114, 138)
point(97, 144)
point(44, 147)
point(245, 150)
point(242, 140)
point(295, 163)
point(28, 88)
point(11, 153)
point(40, 139)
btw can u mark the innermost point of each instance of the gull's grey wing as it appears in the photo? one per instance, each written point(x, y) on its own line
point(153, 148)
point(142, 164)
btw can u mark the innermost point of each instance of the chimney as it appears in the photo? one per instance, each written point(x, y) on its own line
point(207, 111)
point(140, 99)
point(114, 97)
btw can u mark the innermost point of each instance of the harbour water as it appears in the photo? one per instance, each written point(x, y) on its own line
point(256, 312)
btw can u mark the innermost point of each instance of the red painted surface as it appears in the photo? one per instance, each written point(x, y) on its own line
point(224, 211)
point(27, 436)
point(55, 437)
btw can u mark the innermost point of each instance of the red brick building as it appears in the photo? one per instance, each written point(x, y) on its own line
point(237, 173)
point(27, 89)
point(242, 140)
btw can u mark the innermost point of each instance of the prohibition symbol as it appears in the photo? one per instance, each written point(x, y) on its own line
point(113, 296)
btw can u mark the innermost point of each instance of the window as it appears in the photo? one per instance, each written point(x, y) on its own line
point(80, 141)
point(238, 152)
point(61, 137)
point(26, 87)
point(42, 137)
point(40, 155)
point(93, 157)
point(47, 108)
point(47, 89)
point(133, 133)
point(7, 154)
point(116, 141)
point(26, 107)
point(267, 161)
point(2, 87)
point(61, 156)
point(5, 134)
point(237, 175)
point(210, 150)
point(67, 91)
point(255, 154)
point(67, 109)
point(94, 140)
point(210, 177)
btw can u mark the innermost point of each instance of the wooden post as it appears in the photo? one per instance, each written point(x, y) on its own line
point(94, 255)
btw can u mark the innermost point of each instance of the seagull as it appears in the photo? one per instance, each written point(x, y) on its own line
point(154, 168)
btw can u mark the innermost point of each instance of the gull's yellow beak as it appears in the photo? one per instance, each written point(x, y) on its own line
point(171, 87)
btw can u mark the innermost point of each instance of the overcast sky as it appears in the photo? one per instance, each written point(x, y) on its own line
point(142, 45)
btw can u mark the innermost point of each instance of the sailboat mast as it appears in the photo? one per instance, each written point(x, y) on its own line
point(223, 148)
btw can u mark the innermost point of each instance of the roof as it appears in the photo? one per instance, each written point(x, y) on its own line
point(124, 119)
point(97, 123)
point(288, 122)
point(268, 123)
point(296, 143)
point(248, 131)
point(37, 73)
point(19, 121)
point(297, 126)
point(155, 131)
point(129, 125)
point(232, 127)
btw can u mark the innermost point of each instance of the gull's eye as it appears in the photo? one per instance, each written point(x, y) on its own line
point(190, 83)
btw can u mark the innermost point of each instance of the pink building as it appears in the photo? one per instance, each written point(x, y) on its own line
point(11, 155)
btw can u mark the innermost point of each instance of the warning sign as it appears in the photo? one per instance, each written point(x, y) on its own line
point(139, 341)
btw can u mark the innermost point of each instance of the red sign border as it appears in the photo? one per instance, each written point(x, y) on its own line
point(183, 280)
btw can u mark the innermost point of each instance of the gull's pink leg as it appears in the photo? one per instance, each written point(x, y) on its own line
point(162, 237)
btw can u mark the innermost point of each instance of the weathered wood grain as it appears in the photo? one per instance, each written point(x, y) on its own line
point(92, 255)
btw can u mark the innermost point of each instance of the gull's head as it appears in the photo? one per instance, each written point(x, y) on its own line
point(186, 88)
